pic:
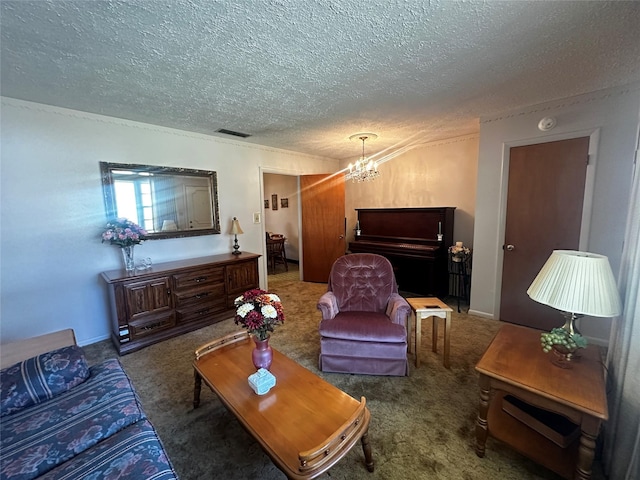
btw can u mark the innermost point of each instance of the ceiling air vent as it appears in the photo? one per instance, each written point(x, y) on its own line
point(231, 132)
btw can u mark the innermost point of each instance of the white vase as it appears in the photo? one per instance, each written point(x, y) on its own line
point(127, 257)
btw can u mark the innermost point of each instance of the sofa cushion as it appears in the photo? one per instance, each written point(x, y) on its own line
point(35, 440)
point(135, 452)
point(41, 378)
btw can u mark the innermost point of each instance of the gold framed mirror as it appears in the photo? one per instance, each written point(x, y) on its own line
point(168, 202)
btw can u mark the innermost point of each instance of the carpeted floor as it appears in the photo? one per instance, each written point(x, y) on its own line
point(292, 273)
point(422, 426)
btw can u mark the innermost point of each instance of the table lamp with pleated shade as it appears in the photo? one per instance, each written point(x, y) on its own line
point(578, 284)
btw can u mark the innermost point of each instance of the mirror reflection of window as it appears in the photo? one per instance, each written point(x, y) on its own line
point(167, 202)
point(133, 198)
point(145, 204)
point(126, 200)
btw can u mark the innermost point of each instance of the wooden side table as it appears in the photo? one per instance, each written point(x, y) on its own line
point(424, 308)
point(515, 364)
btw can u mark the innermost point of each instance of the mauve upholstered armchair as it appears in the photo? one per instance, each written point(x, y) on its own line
point(363, 328)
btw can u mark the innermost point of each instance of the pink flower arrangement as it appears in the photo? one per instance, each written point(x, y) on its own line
point(259, 312)
point(124, 233)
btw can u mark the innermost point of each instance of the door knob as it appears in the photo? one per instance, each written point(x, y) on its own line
point(509, 247)
point(341, 237)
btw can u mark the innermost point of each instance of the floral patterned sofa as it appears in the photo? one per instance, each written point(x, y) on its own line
point(61, 419)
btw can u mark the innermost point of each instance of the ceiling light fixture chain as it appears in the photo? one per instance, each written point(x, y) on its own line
point(363, 170)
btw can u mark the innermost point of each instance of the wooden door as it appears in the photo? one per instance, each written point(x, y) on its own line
point(199, 212)
point(322, 201)
point(544, 213)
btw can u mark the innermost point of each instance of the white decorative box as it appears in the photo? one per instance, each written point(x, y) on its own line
point(262, 381)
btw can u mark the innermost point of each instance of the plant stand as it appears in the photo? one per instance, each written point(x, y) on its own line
point(460, 278)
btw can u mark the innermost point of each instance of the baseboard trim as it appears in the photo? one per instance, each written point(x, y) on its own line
point(478, 313)
point(91, 341)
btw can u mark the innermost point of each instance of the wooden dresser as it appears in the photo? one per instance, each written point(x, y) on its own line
point(176, 297)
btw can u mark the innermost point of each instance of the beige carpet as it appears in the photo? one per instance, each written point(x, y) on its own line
point(281, 275)
point(423, 426)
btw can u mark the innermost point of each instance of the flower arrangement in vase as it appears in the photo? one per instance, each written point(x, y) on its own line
point(459, 252)
point(126, 235)
point(259, 312)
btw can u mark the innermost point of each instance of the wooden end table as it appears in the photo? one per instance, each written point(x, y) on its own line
point(424, 308)
point(306, 425)
point(515, 364)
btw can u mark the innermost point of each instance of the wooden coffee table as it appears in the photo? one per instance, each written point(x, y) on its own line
point(303, 423)
point(515, 364)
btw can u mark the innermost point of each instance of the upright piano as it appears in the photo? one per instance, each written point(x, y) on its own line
point(408, 237)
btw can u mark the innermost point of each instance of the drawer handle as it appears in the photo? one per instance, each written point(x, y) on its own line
point(203, 312)
point(152, 326)
point(201, 295)
point(200, 279)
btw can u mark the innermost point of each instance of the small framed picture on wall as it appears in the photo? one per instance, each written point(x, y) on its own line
point(274, 202)
point(266, 204)
point(284, 202)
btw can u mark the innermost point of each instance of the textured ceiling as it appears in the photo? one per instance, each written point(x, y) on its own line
point(306, 75)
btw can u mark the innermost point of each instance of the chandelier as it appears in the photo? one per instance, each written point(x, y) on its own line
point(363, 170)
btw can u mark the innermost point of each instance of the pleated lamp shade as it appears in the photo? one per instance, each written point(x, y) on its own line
point(235, 227)
point(577, 282)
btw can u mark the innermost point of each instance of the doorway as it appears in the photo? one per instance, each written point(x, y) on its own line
point(281, 217)
point(312, 214)
point(545, 199)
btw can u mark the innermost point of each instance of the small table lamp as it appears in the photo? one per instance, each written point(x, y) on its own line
point(578, 284)
point(169, 226)
point(236, 230)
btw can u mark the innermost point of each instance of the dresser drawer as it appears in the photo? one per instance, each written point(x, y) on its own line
point(142, 327)
point(199, 277)
point(199, 311)
point(199, 296)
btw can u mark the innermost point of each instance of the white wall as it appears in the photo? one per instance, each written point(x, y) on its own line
point(283, 220)
point(609, 115)
point(52, 211)
point(436, 174)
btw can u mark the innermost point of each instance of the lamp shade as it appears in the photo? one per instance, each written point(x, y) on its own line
point(169, 226)
point(235, 227)
point(577, 282)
